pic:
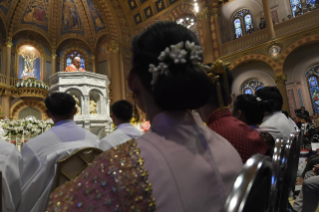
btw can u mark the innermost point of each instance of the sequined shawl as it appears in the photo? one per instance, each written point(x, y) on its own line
point(115, 181)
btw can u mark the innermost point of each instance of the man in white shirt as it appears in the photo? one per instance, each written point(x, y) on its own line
point(122, 112)
point(11, 165)
point(277, 119)
point(41, 153)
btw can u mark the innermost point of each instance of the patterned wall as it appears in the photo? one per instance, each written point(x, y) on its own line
point(4, 5)
point(13, 59)
point(31, 36)
point(98, 22)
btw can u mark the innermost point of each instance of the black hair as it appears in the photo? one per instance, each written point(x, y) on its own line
point(123, 110)
point(226, 96)
point(60, 105)
point(252, 107)
point(187, 85)
point(271, 93)
point(302, 107)
point(306, 118)
point(286, 113)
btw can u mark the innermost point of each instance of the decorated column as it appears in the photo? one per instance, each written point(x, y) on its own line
point(216, 34)
point(205, 33)
point(6, 103)
point(116, 72)
point(269, 25)
point(280, 80)
point(53, 63)
point(9, 47)
point(93, 63)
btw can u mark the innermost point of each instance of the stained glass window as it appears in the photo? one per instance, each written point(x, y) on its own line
point(311, 2)
point(238, 30)
point(248, 91)
point(314, 92)
point(248, 22)
point(72, 55)
point(295, 5)
point(252, 86)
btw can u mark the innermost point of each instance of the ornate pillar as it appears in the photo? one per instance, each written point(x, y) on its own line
point(269, 25)
point(53, 63)
point(116, 72)
point(217, 35)
point(9, 46)
point(93, 63)
point(203, 18)
point(6, 103)
point(280, 80)
point(43, 71)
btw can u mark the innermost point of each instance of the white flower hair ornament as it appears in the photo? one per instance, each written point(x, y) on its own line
point(178, 53)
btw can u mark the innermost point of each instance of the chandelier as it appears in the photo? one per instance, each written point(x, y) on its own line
point(189, 21)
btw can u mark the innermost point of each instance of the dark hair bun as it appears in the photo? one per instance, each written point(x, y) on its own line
point(187, 89)
point(186, 86)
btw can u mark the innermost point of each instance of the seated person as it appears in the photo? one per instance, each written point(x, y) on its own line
point(275, 119)
point(41, 153)
point(302, 111)
point(189, 167)
point(122, 112)
point(308, 198)
point(11, 167)
point(219, 118)
point(291, 121)
point(262, 24)
point(312, 161)
point(75, 66)
point(250, 110)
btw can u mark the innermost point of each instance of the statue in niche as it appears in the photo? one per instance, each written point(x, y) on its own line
point(77, 105)
point(29, 58)
point(93, 106)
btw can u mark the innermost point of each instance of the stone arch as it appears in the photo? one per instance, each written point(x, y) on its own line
point(29, 42)
point(255, 57)
point(301, 42)
point(20, 105)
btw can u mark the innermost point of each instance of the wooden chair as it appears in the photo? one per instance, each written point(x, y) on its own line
point(287, 169)
point(72, 166)
point(275, 192)
point(251, 190)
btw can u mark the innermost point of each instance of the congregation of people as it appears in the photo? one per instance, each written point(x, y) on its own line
point(188, 161)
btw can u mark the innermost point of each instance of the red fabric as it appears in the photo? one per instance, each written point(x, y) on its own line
point(245, 140)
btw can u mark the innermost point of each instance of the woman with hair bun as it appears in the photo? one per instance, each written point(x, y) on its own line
point(251, 110)
point(179, 162)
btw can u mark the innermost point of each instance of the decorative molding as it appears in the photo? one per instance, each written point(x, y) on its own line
point(280, 79)
point(113, 46)
point(204, 14)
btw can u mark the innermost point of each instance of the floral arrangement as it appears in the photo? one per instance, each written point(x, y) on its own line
point(23, 128)
point(32, 83)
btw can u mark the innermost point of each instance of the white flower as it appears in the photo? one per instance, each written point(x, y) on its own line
point(258, 99)
point(29, 126)
point(177, 53)
point(26, 85)
point(164, 54)
point(163, 68)
point(37, 131)
point(21, 84)
point(20, 128)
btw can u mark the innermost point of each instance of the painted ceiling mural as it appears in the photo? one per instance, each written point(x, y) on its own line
point(71, 21)
point(4, 5)
point(37, 14)
point(98, 22)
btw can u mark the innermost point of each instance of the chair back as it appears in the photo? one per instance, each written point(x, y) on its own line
point(288, 163)
point(72, 166)
point(302, 133)
point(245, 195)
point(276, 163)
point(296, 160)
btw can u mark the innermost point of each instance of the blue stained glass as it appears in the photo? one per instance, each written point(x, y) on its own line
point(295, 5)
point(259, 87)
point(82, 63)
point(249, 91)
point(311, 2)
point(248, 22)
point(68, 62)
point(314, 92)
point(238, 30)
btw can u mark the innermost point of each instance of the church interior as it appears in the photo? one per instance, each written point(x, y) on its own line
point(263, 42)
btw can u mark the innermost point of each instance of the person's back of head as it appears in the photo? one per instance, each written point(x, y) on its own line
point(178, 84)
point(123, 111)
point(251, 109)
point(60, 106)
point(271, 93)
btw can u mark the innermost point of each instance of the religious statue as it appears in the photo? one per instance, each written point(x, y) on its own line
point(93, 106)
point(75, 66)
point(28, 64)
point(77, 103)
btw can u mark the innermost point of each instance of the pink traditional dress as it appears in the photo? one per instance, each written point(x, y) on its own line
point(72, 68)
point(180, 162)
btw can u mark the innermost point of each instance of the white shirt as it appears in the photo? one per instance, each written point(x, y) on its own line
point(123, 133)
point(191, 168)
point(280, 122)
point(11, 165)
point(40, 156)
